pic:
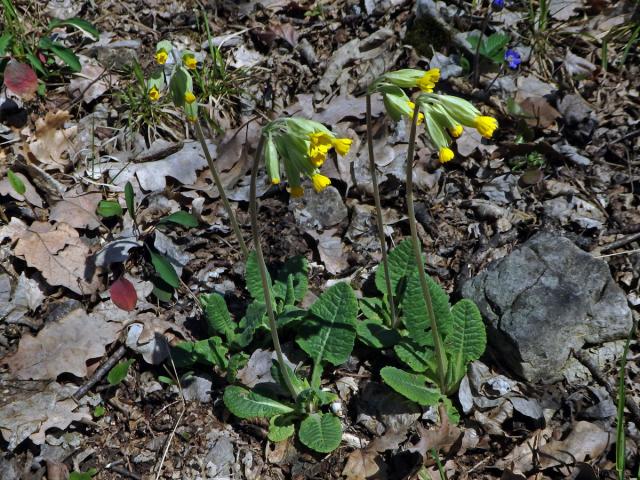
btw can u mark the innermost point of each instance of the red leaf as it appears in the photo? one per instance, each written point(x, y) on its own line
point(123, 294)
point(20, 78)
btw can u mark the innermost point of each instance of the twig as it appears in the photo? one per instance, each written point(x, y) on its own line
point(122, 471)
point(621, 242)
point(584, 359)
point(100, 373)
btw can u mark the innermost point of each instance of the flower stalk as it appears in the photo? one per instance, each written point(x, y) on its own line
point(441, 359)
point(379, 220)
point(223, 196)
point(266, 288)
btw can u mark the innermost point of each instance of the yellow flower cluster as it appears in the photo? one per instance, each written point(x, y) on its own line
point(301, 147)
point(161, 56)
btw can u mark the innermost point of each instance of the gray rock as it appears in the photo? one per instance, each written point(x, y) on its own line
point(546, 299)
point(319, 210)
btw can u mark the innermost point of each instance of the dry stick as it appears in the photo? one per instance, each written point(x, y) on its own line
point(376, 197)
point(266, 288)
point(223, 195)
point(441, 360)
point(100, 373)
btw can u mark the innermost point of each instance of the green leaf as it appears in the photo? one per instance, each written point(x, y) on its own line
point(246, 404)
point(218, 317)
point(418, 358)
point(473, 40)
point(165, 379)
point(165, 45)
point(467, 340)
point(412, 386)
point(300, 384)
point(495, 43)
point(16, 182)
point(118, 373)
point(211, 352)
point(181, 83)
point(109, 208)
point(181, 218)
point(164, 292)
point(253, 279)
point(36, 64)
point(63, 53)
point(99, 411)
point(298, 269)
point(375, 335)
point(164, 269)
point(321, 432)
point(290, 317)
point(254, 318)
point(281, 427)
point(5, 41)
point(415, 310)
point(83, 475)
point(401, 264)
point(79, 23)
point(329, 333)
point(236, 362)
point(373, 309)
point(129, 197)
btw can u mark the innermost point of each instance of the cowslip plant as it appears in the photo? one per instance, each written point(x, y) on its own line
point(177, 80)
point(35, 50)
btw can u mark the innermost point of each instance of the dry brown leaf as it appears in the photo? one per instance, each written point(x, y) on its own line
point(586, 441)
point(77, 210)
point(361, 464)
point(92, 81)
point(63, 346)
point(331, 250)
point(27, 410)
point(442, 439)
point(60, 255)
point(539, 112)
point(52, 140)
point(520, 459)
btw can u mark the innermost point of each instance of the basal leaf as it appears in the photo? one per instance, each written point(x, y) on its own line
point(298, 269)
point(281, 427)
point(164, 269)
point(16, 182)
point(328, 335)
point(468, 338)
point(415, 314)
point(375, 335)
point(218, 317)
point(181, 218)
point(244, 403)
point(321, 432)
point(118, 373)
point(253, 279)
point(211, 351)
point(419, 358)
point(401, 264)
point(412, 386)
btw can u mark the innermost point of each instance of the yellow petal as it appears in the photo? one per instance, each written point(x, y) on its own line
point(486, 125)
point(320, 182)
point(342, 145)
point(154, 94)
point(296, 192)
point(456, 131)
point(161, 57)
point(445, 155)
point(428, 81)
point(318, 159)
point(275, 181)
point(190, 62)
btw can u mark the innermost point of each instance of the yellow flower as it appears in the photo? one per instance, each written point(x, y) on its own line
point(445, 154)
point(320, 182)
point(428, 81)
point(192, 118)
point(275, 181)
point(342, 145)
point(486, 125)
point(162, 56)
point(296, 192)
point(189, 97)
point(154, 94)
point(190, 62)
point(318, 159)
point(412, 106)
point(456, 130)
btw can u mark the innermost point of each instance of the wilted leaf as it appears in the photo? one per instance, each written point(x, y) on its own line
point(331, 250)
point(52, 140)
point(63, 346)
point(123, 294)
point(20, 79)
point(59, 254)
point(77, 209)
point(91, 82)
point(27, 297)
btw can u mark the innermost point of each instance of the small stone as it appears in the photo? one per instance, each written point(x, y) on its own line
point(546, 299)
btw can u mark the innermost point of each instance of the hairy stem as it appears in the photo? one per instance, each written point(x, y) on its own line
point(380, 223)
point(223, 195)
point(266, 288)
point(441, 359)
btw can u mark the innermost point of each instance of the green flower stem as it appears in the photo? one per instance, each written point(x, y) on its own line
point(376, 197)
point(266, 288)
point(441, 359)
point(223, 195)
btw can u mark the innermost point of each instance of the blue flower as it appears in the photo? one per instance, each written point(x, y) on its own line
point(512, 58)
point(498, 4)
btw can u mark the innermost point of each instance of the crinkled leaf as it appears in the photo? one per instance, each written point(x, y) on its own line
point(321, 432)
point(401, 264)
point(253, 279)
point(298, 268)
point(123, 294)
point(418, 358)
point(412, 386)
point(244, 403)
point(281, 427)
point(375, 335)
point(467, 340)
point(185, 219)
point(329, 333)
point(118, 373)
point(16, 182)
point(218, 316)
point(20, 78)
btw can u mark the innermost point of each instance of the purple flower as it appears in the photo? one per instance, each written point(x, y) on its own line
point(512, 58)
point(498, 4)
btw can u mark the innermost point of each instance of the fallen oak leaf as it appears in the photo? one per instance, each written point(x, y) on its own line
point(59, 253)
point(77, 209)
point(52, 140)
